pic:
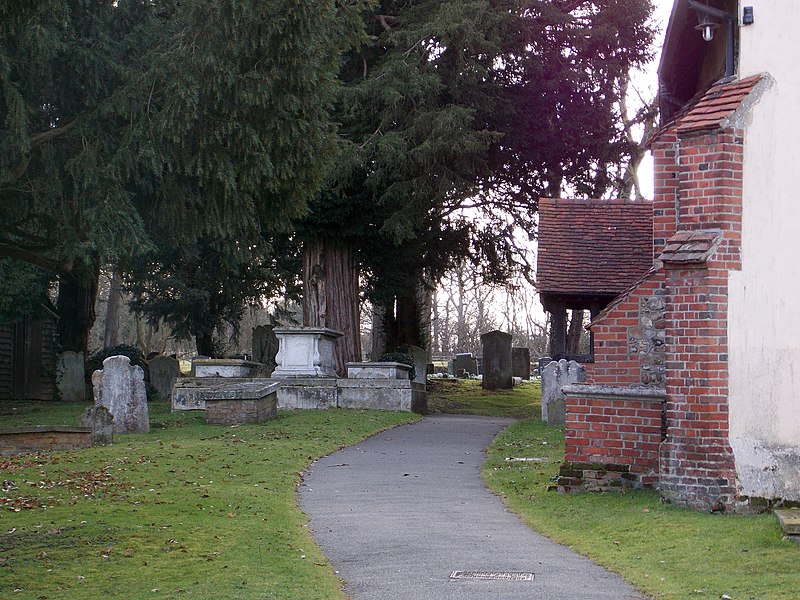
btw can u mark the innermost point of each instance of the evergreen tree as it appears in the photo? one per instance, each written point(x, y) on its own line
point(207, 119)
point(482, 105)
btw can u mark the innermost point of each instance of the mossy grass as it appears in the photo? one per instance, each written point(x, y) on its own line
point(467, 397)
point(666, 551)
point(189, 509)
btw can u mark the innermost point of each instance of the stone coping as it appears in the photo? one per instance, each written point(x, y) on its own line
point(223, 390)
point(378, 365)
point(614, 393)
point(380, 382)
point(46, 429)
point(225, 362)
point(308, 330)
point(240, 391)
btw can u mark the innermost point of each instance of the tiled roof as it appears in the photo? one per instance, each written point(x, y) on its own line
point(717, 104)
point(593, 247)
point(709, 110)
point(691, 246)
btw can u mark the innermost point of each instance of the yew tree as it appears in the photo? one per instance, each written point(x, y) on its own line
point(460, 114)
point(206, 119)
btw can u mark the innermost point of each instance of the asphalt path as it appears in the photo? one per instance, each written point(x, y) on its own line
point(400, 512)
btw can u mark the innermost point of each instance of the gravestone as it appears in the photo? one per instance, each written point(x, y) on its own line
point(119, 386)
point(164, 370)
point(520, 363)
point(101, 423)
point(71, 377)
point(420, 358)
point(497, 373)
point(554, 376)
point(466, 363)
point(265, 348)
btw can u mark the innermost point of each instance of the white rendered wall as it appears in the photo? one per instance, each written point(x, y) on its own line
point(764, 297)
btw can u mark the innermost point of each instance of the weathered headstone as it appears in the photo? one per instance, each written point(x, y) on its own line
point(554, 376)
point(265, 347)
point(70, 377)
point(520, 363)
point(164, 370)
point(465, 362)
point(497, 360)
point(119, 386)
point(101, 422)
point(420, 358)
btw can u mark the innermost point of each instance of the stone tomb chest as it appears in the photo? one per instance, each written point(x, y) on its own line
point(305, 352)
point(240, 403)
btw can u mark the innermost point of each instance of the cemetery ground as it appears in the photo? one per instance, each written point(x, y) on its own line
point(198, 510)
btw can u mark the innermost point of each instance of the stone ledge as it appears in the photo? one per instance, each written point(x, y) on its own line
point(45, 429)
point(614, 393)
point(789, 519)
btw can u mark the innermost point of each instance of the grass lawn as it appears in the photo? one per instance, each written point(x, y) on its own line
point(207, 511)
point(190, 509)
point(467, 397)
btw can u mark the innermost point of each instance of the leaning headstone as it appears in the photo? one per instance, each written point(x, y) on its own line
point(497, 373)
point(164, 370)
point(265, 347)
point(70, 377)
point(119, 386)
point(520, 363)
point(554, 376)
point(102, 424)
point(420, 358)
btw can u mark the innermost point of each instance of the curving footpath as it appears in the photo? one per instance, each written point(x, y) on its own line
point(398, 513)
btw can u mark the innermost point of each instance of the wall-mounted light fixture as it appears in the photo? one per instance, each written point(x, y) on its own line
point(747, 15)
point(708, 19)
point(706, 25)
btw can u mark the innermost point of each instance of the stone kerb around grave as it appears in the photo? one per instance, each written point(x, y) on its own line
point(306, 352)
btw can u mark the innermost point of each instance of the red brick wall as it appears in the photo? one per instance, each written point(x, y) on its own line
point(710, 184)
point(614, 364)
point(666, 167)
point(697, 466)
point(615, 431)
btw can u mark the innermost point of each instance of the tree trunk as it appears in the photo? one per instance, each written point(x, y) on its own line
point(575, 332)
point(331, 296)
point(77, 292)
point(378, 335)
point(111, 333)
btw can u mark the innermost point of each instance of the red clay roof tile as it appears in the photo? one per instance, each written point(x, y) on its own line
point(593, 247)
point(691, 246)
point(718, 103)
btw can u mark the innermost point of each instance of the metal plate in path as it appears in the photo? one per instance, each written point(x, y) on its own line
point(492, 575)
